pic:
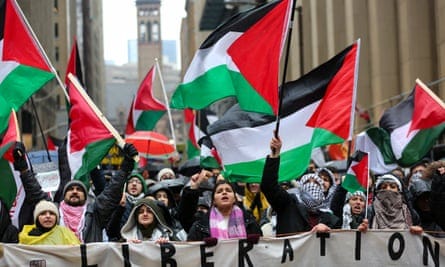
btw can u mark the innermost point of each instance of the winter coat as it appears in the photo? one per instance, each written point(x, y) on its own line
point(201, 228)
point(97, 213)
point(292, 215)
point(130, 229)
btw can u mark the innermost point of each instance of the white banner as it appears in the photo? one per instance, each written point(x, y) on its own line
point(345, 248)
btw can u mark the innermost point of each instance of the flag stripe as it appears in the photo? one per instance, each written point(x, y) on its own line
point(22, 82)
point(219, 77)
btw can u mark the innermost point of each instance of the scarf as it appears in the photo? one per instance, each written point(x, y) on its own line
point(134, 199)
point(312, 197)
point(147, 231)
point(390, 211)
point(73, 218)
point(235, 228)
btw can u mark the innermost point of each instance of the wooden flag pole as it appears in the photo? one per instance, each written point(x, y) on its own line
point(428, 91)
point(119, 140)
point(17, 130)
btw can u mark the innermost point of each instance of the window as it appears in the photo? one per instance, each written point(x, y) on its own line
point(56, 30)
point(56, 53)
point(142, 32)
point(155, 31)
point(150, 39)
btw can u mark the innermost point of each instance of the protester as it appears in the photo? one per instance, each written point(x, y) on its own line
point(86, 220)
point(8, 232)
point(436, 173)
point(135, 189)
point(166, 174)
point(254, 200)
point(350, 208)
point(147, 223)
point(163, 194)
point(226, 219)
point(299, 209)
point(329, 184)
point(45, 230)
point(389, 209)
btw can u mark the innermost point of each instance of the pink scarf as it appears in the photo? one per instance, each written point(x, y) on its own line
point(235, 229)
point(73, 218)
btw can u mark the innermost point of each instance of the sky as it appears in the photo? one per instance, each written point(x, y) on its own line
point(120, 25)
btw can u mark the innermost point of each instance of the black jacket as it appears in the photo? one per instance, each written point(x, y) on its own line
point(292, 216)
point(201, 228)
point(8, 232)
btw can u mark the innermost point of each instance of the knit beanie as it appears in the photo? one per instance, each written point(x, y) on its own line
point(356, 193)
point(78, 183)
point(43, 206)
point(140, 178)
point(165, 171)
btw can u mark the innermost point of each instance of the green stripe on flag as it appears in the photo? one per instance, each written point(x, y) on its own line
point(201, 92)
point(351, 184)
point(8, 190)
point(148, 119)
point(420, 145)
point(322, 137)
point(94, 153)
point(21, 83)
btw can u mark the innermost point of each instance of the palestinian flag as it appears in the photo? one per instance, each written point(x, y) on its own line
point(358, 172)
point(89, 140)
point(209, 158)
point(145, 110)
point(11, 191)
point(414, 125)
point(317, 110)
point(199, 120)
point(241, 58)
point(23, 68)
point(376, 142)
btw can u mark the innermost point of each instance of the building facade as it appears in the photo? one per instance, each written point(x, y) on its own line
point(400, 41)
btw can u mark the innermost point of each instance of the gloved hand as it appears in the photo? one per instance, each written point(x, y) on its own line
point(210, 241)
point(18, 153)
point(129, 153)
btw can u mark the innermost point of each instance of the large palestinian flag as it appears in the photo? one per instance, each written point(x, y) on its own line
point(89, 140)
point(240, 58)
point(414, 125)
point(23, 69)
point(145, 110)
point(317, 110)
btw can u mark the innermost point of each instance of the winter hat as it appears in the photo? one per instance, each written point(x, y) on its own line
point(78, 183)
point(356, 193)
point(43, 206)
point(165, 171)
point(390, 178)
point(140, 178)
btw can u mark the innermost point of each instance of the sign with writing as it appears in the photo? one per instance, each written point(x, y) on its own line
point(339, 248)
point(48, 176)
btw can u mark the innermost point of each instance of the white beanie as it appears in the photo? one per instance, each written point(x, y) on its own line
point(390, 178)
point(43, 206)
point(165, 171)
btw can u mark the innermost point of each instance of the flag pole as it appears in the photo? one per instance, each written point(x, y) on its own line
point(286, 63)
point(17, 130)
point(40, 128)
point(367, 189)
point(120, 141)
point(45, 56)
point(166, 103)
point(430, 93)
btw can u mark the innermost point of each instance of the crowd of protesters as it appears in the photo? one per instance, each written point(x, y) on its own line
point(133, 207)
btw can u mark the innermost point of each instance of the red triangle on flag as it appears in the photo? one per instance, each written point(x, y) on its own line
point(144, 98)
point(18, 43)
point(10, 136)
point(361, 171)
point(429, 110)
point(85, 125)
